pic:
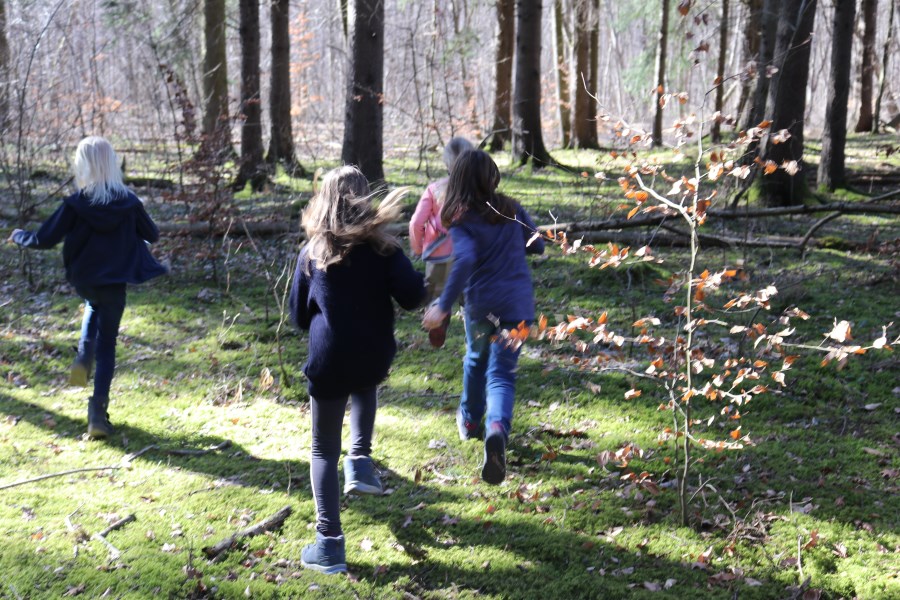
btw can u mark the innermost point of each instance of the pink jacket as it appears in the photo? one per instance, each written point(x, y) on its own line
point(425, 227)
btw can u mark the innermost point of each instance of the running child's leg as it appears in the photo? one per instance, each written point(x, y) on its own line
point(327, 421)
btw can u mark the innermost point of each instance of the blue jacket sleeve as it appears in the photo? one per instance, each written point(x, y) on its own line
point(537, 246)
point(464, 261)
point(146, 228)
point(51, 232)
point(407, 285)
point(299, 297)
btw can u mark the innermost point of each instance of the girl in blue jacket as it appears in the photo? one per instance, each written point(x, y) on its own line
point(104, 229)
point(490, 232)
point(346, 276)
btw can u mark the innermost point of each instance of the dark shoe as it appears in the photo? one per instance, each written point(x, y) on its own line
point(360, 476)
point(325, 555)
point(467, 429)
point(78, 374)
point(98, 419)
point(438, 335)
point(494, 469)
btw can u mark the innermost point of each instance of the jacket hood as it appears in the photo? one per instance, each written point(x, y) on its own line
point(103, 217)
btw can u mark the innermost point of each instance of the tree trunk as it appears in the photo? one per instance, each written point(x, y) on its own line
point(363, 117)
point(216, 122)
point(252, 167)
point(787, 103)
point(4, 70)
point(562, 73)
point(594, 81)
point(752, 35)
point(528, 142)
point(869, 10)
point(661, 73)
point(281, 140)
point(768, 28)
point(715, 132)
point(882, 77)
point(343, 8)
point(831, 162)
point(506, 15)
point(585, 124)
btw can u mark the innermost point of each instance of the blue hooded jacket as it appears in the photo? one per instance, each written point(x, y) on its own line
point(104, 243)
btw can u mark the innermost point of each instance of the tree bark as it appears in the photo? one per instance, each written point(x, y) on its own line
point(715, 131)
point(831, 162)
point(661, 52)
point(506, 22)
point(363, 117)
point(4, 70)
point(585, 123)
point(281, 138)
point(882, 77)
point(562, 72)
point(787, 103)
point(528, 141)
point(752, 35)
point(252, 166)
point(768, 29)
point(216, 121)
point(869, 9)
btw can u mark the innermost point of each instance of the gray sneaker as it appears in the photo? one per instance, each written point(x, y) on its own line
point(325, 555)
point(360, 476)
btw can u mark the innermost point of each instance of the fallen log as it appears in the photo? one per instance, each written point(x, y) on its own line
point(273, 522)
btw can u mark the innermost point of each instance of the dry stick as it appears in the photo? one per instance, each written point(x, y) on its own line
point(814, 229)
point(114, 553)
point(118, 525)
point(276, 520)
point(60, 474)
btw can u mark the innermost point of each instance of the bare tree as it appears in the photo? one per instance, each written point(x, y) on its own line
point(252, 167)
point(787, 104)
point(585, 123)
point(281, 139)
point(506, 14)
point(528, 141)
point(661, 51)
point(363, 118)
point(768, 29)
point(831, 161)
point(869, 9)
point(715, 131)
point(883, 76)
point(4, 69)
point(561, 53)
point(216, 121)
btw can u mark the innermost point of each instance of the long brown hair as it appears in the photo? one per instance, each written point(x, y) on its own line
point(341, 215)
point(473, 186)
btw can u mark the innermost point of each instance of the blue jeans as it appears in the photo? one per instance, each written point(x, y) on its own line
point(103, 308)
point(327, 422)
point(489, 376)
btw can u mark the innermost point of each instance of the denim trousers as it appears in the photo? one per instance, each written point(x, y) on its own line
point(103, 309)
point(489, 375)
point(327, 422)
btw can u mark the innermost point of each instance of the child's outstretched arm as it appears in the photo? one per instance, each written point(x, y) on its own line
point(51, 232)
point(407, 285)
point(146, 228)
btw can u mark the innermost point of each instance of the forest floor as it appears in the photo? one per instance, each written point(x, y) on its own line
point(210, 396)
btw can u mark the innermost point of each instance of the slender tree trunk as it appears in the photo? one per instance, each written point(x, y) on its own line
point(867, 69)
point(787, 104)
point(831, 162)
point(594, 80)
point(252, 166)
point(363, 119)
point(562, 72)
point(216, 122)
point(528, 141)
point(882, 77)
point(769, 27)
point(661, 73)
point(585, 124)
point(506, 41)
point(715, 132)
point(752, 35)
point(281, 138)
point(4, 70)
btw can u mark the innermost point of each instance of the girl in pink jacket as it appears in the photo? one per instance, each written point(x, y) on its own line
point(429, 239)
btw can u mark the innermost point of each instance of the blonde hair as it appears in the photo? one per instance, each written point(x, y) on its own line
point(341, 215)
point(454, 148)
point(97, 171)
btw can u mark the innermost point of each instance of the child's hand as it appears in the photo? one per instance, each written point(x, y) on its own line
point(11, 239)
point(434, 317)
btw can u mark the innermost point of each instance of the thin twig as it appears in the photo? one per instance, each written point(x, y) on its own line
point(60, 474)
point(114, 553)
point(276, 520)
point(118, 525)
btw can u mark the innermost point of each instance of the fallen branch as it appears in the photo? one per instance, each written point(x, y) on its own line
point(60, 474)
point(114, 553)
point(118, 525)
point(273, 522)
point(188, 452)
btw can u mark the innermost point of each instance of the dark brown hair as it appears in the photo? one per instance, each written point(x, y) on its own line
point(473, 186)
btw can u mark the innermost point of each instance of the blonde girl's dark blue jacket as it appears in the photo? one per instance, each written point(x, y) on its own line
point(104, 244)
point(350, 317)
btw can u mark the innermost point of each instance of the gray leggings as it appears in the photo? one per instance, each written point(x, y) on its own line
point(327, 421)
